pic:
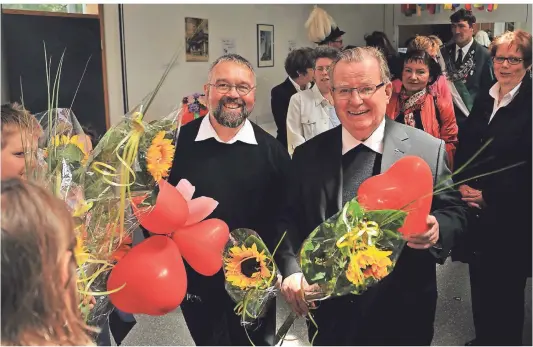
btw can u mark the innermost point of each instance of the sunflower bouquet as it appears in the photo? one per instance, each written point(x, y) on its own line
point(62, 153)
point(250, 274)
point(352, 250)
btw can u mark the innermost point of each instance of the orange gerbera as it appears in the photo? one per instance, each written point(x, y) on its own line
point(366, 263)
point(159, 156)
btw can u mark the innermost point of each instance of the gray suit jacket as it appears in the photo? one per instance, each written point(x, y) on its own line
point(315, 193)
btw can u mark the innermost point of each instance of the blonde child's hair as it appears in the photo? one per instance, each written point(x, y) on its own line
point(16, 119)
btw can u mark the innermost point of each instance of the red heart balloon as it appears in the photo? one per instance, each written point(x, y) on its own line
point(406, 185)
point(202, 245)
point(169, 213)
point(154, 275)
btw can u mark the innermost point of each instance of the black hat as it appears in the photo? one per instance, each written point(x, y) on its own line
point(335, 34)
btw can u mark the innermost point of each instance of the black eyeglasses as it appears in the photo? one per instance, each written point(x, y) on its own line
point(225, 88)
point(365, 92)
point(511, 60)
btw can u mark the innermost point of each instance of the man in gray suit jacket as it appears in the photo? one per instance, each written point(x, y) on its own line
point(327, 172)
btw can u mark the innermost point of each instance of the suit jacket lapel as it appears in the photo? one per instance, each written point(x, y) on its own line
point(395, 144)
point(332, 174)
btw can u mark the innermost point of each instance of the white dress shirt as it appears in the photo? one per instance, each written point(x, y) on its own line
point(506, 100)
point(297, 86)
point(374, 141)
point(465, 49)
point(309, 114)
point(245, 134)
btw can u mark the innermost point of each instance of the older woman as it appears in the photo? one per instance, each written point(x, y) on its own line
point(311, 112)
point(413, 103)
point(498, 247)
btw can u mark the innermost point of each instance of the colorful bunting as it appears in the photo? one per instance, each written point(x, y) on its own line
point(410, 9)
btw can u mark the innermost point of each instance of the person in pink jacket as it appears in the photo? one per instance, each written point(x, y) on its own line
point(421, 101)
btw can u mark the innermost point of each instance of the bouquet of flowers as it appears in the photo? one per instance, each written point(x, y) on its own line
point(194, 107)
point(352, 250)
point(251, 274)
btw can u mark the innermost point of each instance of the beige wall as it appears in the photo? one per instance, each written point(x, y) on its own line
point(149, 47)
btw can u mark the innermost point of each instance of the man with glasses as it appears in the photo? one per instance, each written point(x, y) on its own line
point(469, 67)
point(326, 173)
point(229, 158)
point(311, 112)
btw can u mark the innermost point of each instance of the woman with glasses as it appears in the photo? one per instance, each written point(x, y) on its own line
point(413, 103)
point(498, 242)
point(311, 112)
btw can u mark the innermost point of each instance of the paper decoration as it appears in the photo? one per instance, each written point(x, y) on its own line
point(410, 9)
point(228, 46)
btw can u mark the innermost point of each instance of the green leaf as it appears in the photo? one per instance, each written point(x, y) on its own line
point(387, 219)
point(354, 210)
point(318, 276)
point(72, 153)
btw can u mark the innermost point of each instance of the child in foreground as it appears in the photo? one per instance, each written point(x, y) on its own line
point(39, 296)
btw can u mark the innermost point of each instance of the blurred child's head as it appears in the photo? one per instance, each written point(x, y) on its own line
point(20, 134)
point(39, 298)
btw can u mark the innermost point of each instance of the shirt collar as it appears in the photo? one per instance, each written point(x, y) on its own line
point(246, 134)
point(297, 87)
point(465, 48)
point(374, 142)
point(495, 92)
point(318, 97)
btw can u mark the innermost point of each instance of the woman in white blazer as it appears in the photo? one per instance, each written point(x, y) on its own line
point(311, 112)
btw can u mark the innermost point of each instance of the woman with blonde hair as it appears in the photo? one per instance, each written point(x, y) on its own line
point(39, 296)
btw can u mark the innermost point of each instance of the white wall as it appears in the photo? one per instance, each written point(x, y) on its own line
point(150, 47)
point(504, 13)
point(357, 20)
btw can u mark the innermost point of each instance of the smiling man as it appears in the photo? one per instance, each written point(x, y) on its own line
point(230, 159)
point(326, 173)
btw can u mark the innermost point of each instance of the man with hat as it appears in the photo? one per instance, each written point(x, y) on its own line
point(322, 29)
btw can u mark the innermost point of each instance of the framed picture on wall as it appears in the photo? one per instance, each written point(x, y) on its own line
point(265, 45)
point(196, 39)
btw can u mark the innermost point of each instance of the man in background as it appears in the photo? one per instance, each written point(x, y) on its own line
point(468, 64)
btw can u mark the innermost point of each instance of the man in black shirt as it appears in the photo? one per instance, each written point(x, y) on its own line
point(232, 160)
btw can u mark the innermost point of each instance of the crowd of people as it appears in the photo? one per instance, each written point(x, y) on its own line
point(343, 115)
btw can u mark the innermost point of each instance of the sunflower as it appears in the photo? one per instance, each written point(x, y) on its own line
point(75, 140)
point(246, 267)
point(159, 156)
point(366, 263)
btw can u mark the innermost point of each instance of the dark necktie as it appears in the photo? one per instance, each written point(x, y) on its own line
point(459, 60)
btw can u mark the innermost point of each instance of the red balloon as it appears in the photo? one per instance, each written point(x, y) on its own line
point(169, 213)
point(155, 278)
point(406, 185)
point(202, 245)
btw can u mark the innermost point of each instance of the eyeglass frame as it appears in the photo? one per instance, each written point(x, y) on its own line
point(519, 60)
point(377, 86)
point(322, 68)
point(231, 87)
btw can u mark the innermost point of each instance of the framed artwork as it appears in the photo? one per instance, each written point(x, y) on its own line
point(265, 45)
point(196, 39)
